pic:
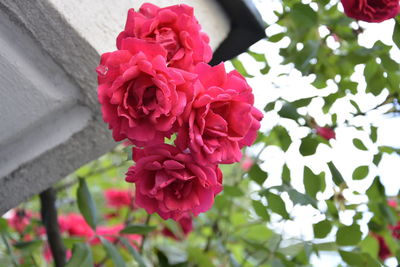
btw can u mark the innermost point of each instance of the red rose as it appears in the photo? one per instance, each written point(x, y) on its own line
point(175, 28)
point(326, 132)
point(140, 96)
point(186, 225)
point(221, 119)
point(172, 183)
point(371, 10)
point(75, 225)
point(116, 198)
point(20, 219)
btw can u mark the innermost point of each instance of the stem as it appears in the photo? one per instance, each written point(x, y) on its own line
point(49, 218)
point(145, 236)
point(9, 251)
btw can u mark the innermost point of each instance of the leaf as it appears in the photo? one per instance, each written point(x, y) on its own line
point(359, 144)
point(289, 111)
point(374, 133)
point(260, 210)
point(3, 225)
point(312, 182)
point(270, 106)
point(140, 229)
point(86, 205)
point(238, 65)
point(133, 251)
point(276, 37)
point(322, 229)
point(336, 176)
point(28, 245)
point(370, 245)
point(257, 174)
point(276, 204)
point(301, 199)
point(308, 145)
point(285, 174)
point(396, 34)
point(358, 259)
point(81, 256)
point(376, 192)
point(360, 172)
point(377, 159)
point(348, 235)
point(302, 102)
point(198, 256)
point(355, 105)
point(279, 137)
point(112, 252)
point(303, 16)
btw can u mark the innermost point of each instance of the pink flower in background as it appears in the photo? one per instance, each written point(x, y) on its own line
point(174, 28)
point(141, 97)
point(371, 10)
point(326, 132)
point(118, 198)
point(172, 183)
point(75, 225)
point(112, 232)
point(392, 203)
point(186, 225)
point(384, 251)
point(247, 163)
point(221, 119)
point(20, 219)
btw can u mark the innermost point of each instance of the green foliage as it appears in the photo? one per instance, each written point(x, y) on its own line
point(86, 204)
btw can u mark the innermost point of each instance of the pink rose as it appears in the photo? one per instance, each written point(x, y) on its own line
point(247, 163)
point(116, 198)
point(140, 96)
point(221, 119)
point(175, 28)
point(20, 219)
point(186, 225)
point(371, 10)
point(75, 225)
point(172, 183)
point(326, 132)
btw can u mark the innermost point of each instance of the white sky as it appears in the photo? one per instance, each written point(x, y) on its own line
point(344, 155)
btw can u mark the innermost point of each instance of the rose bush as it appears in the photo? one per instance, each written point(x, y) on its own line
point(221, 119)
point(371, 10)
point(175, 28)
point(171, 183)
point(140, 96)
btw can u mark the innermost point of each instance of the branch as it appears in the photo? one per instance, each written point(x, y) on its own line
point(49, 218)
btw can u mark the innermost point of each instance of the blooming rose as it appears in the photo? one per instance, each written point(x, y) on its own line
point(75, 225)
point(326, 132)
point(20, 219)
point(221, 119)
point(371, 10)
point(175, 28)
point(186, 225)
point(140, 96)
point(172, 183)
point(116, 198)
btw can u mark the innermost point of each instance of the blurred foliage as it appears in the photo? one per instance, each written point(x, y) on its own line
point(246, 226)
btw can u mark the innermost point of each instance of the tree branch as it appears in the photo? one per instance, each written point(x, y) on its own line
point(49, 218)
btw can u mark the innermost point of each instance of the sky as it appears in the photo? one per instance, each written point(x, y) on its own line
point(345, 156)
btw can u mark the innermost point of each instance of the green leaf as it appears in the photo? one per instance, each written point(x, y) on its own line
point(301, 199)
point(322, 229)
point(257, 174)
point(260, 210)
point(199, 257)
point(3, 225)
point(285, 174)
point(81, 256)
point(303, 16)
point(308, 145)
point(396, 34)
point(277, 205)
point(238, 65)
point(336, 176)
point(360, 172)
point(348, 235)
point(270, 106)
point(359, 144)
point(86, 204)
point(260, 58)
point(302, 102)
point(28, 245)
point(140, 229)
point(370, 245)
point(376, 192)
point(358, 259)
point(276, 37)
point(355, 105)
point(377, 159)
point(112, 252)
point(233, 191)
point(374, 133)
point(133, 251)
point(289, 111)
point(279, 137)
point(312, 182)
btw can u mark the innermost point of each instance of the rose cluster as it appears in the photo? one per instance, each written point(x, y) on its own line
point(158, 85)
point(371, 10)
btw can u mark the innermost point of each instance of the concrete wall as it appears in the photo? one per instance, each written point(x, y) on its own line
point(50, 120)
